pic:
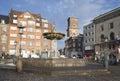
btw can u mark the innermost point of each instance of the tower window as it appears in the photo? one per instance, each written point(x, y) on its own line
point(73, 25)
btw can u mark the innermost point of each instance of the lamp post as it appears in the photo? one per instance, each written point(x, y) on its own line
point(15, 42)
point(20, 33)
point(106, 54)
point(118, 47)
point(19, 64)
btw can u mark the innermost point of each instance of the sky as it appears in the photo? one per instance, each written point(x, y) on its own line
point(58, 11)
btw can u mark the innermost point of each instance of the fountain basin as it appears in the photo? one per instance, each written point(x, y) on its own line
point(53, 62)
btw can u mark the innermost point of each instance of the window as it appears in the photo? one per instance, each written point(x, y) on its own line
point(23, 36)
point(102, 28)
point(89, 33)
point(23, 43)
point(111, 25)
point(12, 51)
point(24, 29)
point(45, 25)
point(37, 51)
point(26, 16)
point(13, 35)
point(45, 31)
point(31, 36)
point(112, 36)
point(92, 33)
point(37, 24)
point(92, 26)
point(89, 40)
point(86, 34)
point(43, 20)
point(92, 39)
point(45, 44)
point(30, 43)
point(23, 23)
point(37, 30)
point(31, 23)
point(86, 41)
point(73, 25)
point(3, 48)
point(12, 42)
point(37, 43)
point(4, 38)
point(73, 44)
point(4, 29)
point(3, 21)
point(109, 46)
point(13, 28)
point(38, 19)
point(113, 46)
point(89, 27)
point(14, 15)
point(37, 37)
point(30, 29)
point(102, 38)
point(14, 21)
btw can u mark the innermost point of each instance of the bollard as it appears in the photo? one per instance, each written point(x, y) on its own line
point(19, 65)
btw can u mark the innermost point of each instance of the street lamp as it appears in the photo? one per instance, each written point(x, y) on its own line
point(20, 32)
point(15, 42)
point(106, 54)
point(19, 64)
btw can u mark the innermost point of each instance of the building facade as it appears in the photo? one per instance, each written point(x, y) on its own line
point(4, 20)
point(74, 46)
point(32, 41)
point(107, 33)
point(74, 41)
point(89, 35)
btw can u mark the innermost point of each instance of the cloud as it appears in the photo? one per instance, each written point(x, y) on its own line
point(85, 10)
point(58, 11)
point(18, 5)
point(31, 2)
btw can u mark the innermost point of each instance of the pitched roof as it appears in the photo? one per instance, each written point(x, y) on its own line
point(5, 18)
point(107, 13)
point(20, 12)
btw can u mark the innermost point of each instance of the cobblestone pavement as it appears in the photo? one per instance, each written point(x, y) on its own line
point(12, 75)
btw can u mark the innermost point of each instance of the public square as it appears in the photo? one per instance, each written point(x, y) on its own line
point(12, 75)
point(60, 40)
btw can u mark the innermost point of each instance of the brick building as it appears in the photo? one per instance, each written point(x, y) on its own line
point(32, 41)
point(4, 20)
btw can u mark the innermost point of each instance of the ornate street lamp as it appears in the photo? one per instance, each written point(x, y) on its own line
point(19, 64)
point(20, 33)
point(15, 42)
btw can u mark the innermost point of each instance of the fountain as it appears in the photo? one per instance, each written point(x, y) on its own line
point(53, 36)
point(53, 61)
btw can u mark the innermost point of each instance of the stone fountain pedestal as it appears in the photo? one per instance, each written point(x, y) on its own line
point(54, 51)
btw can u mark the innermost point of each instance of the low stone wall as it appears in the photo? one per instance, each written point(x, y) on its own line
point(38, 62)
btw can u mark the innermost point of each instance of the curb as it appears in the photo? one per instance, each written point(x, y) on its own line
point(68, 72)
point(52, 72)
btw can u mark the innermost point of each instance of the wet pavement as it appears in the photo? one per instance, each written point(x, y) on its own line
point(12, 75)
